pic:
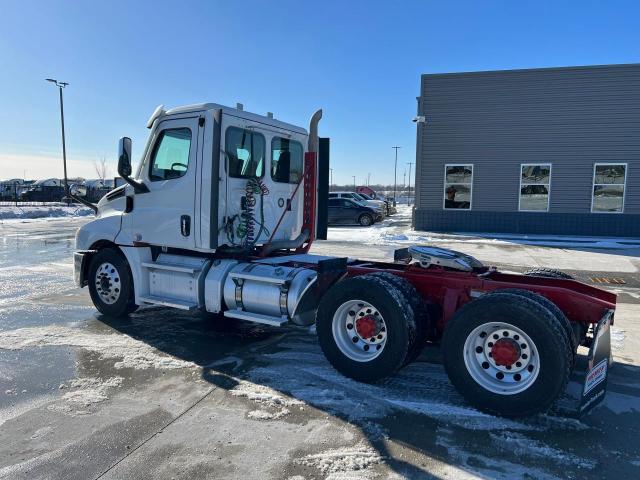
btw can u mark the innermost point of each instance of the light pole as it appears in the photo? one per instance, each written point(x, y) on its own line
point(409, 196)
point(60, 86)
point(395, 168)
point(331, 175)
point(354, 182)
point(368, 179)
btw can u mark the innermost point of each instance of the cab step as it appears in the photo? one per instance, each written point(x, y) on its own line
point(256, 317)
point(169, 302)
point(172, 267)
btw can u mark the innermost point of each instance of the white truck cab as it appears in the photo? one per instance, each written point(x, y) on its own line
point(212, 180)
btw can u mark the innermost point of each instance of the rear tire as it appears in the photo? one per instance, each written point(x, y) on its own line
point(380, 350)
point(553, 308)
point(419, 310)
point(111, 284)
point(524, 371)
point(548, 273)
point(365, 220)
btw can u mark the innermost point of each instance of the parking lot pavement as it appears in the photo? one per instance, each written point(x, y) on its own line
point(164, 394)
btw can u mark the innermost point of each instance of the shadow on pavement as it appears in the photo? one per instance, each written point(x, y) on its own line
point(416, 420)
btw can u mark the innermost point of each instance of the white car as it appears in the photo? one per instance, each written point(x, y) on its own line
point(377, 205)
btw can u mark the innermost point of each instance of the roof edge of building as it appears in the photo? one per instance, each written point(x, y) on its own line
point(533, 69)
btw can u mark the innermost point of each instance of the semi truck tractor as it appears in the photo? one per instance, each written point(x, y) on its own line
point(220, 215)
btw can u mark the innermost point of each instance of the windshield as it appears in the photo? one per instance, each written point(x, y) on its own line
point(366, 197)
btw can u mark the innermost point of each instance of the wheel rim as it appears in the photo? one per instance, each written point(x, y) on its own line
point(107, 282)
point(501, 358)
point(366, 221)
point(359, 330)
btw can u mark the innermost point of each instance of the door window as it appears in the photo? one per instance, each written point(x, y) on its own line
point(286, 160)
point(244, 152)
point(171, 154)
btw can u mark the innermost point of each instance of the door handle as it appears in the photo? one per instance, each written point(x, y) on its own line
point(185, 225)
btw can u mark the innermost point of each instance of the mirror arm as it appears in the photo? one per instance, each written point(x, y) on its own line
point(138, 187)
point(87, 203)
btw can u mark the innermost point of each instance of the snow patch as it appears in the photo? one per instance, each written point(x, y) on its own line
point(342, 463)
point(90, 390)
point(265, 396)
point(131, 353)
point(617, 338)
point(528, 447)
point(85, 393)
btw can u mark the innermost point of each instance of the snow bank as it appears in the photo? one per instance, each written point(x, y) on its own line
point(9, 213)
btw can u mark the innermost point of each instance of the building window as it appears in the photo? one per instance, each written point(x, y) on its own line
point(458, 184)
point(286, 160)
point(609, 181)
point(245, 153)
point(535, 182)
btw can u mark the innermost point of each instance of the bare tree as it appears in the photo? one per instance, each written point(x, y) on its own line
point(101, 168)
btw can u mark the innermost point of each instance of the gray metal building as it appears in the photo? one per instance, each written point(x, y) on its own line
point(540, 151)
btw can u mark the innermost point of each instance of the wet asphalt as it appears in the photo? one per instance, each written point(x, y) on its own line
point(166, 394)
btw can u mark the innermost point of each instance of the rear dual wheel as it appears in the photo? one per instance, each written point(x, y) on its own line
point(366, 327)
point(507, 354)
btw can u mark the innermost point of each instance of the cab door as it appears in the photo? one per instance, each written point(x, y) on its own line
point(259, 170)
point(165, 214)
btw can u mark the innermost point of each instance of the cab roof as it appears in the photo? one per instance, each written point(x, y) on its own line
point(198, 107)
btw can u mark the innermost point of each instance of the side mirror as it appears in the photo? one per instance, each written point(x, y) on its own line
point(78, 190)
point(124, 166)
point(124, 157)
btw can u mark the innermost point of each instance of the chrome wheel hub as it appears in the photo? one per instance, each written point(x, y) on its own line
point(359, 330)
point(107, 282)
point(501, 358)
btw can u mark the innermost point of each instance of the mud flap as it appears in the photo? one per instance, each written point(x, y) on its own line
point(588, 384)
point(594, 386)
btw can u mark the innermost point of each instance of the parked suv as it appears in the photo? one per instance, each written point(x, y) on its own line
point(377, 205)
point(346, 211)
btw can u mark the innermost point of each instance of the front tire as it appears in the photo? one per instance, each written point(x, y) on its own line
point(507, 354)
point(111, 284)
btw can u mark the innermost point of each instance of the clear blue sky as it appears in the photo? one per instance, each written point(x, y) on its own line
point(360, 61)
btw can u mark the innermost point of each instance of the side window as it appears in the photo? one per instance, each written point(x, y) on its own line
point(458, 182)
point(609, 181)
point(535, 180)
point(286, 160)
point(171, 154)
point(334, 202)
point(244, 151)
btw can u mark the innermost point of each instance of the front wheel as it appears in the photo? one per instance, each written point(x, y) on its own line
point(111, 284)
point(507, 354)
point(365, 220)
